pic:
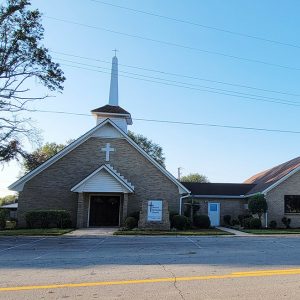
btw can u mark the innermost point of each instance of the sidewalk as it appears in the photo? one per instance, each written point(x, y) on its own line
point(235, 232)
point(90, 232)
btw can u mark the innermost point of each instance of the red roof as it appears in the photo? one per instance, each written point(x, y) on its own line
point(265, 179)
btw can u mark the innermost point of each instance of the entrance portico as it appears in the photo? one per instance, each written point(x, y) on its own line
point(102, 198)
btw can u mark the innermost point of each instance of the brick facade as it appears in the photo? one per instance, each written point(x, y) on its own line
point(275, 200)
point(232, 207)
point(51, 188)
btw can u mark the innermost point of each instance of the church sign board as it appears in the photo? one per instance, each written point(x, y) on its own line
point(154, 211)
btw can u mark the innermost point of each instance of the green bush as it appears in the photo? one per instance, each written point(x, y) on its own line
point(243, 217)
point(227, 219)
point(135, 214)
point(48, 219)
point(246, 222)
point(287, 222)
point(235, 222)
point(3, 218)
point(255, 223)
point(273, 224)
point(131, 222)
point(201, 221)
point(258, 205)
point(180, 222)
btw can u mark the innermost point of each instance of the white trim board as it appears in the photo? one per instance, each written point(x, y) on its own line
point(19, 184)
point(79, 188)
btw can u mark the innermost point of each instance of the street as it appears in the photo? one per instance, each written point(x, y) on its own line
point(149, 267)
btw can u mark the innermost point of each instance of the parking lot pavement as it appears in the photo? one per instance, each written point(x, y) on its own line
point(111, 267)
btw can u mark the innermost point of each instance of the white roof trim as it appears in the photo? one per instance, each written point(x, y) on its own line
point(271, 187)
point(19, 184)
point(12, 205)
point(219, 196)
point(126, 184)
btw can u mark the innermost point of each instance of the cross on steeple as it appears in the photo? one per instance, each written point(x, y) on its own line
point(107, 150)
point(115, 50)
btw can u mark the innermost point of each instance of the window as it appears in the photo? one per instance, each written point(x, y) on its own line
point(292, 203)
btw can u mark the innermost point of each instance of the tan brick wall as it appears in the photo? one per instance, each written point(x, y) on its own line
point(51, 188)
point(275, 200)
point(233, 207)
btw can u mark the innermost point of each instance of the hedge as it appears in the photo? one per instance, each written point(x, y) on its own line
point(48, 219)
point(3, 218)
point(131, 222)
point(201, 221)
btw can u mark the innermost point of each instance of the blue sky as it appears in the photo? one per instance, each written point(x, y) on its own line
point(223, 155)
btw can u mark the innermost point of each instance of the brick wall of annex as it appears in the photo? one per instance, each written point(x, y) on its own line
point(232, 207)
point(51, 188)
point(275, 199)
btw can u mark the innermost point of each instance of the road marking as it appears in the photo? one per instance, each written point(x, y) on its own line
point(13, 247)
point(196, 244)
point(257, 273)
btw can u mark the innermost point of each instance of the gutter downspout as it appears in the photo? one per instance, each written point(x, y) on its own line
point(180, 203)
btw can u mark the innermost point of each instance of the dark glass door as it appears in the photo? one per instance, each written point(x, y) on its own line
point(104, 210)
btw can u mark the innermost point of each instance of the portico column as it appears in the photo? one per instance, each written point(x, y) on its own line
point(80, 210)
point(125, 207)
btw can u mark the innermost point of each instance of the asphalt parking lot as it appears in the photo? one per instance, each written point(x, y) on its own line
point(115, 267)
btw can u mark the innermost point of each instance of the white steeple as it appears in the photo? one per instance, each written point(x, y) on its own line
point(113, 92)
point(112, 110)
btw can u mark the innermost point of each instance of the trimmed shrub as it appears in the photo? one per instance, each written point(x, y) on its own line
point(171, 216)
point(235, 222)
point(258, 205)
point(48, 219)
point(201, 221)
point(243, 217)
point(273, 224)
point(180, 222)
point(227, 219)
point(135, 214)
point(255, 223)
point(131, 222)
point(246, 222)
point(3, 218)
point(287, 222)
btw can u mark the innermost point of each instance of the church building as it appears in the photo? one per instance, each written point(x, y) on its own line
point(103, 176)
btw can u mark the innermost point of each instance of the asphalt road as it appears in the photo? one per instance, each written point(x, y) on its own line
point(150, 268)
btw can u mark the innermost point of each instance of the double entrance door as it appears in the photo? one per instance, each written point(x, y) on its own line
point(104, 211)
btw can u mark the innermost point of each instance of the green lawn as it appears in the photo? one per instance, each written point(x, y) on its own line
point(272, 231)
point(49, 231)
point(212, 231)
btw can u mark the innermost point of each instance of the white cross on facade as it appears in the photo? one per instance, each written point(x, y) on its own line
point(107, 149)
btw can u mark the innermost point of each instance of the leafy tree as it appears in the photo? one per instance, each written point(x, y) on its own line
point(23, 61)
point(39, 156)
point(8, 199)
point(194, 177)
point(153, 149)
point(258, 205)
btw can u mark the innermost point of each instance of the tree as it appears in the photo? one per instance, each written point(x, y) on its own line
point(8, 199)
point(153, 149)
point(39, 156)
point(258, 205)
point(23, 61)
point(194, 177)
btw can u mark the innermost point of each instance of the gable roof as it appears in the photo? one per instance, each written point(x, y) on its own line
point(268, 179)
point(234, 190)
point(19, 184)
point(111, 109)
point(98, 182)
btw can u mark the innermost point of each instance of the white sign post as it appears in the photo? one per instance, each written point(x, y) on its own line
point(154, 210)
